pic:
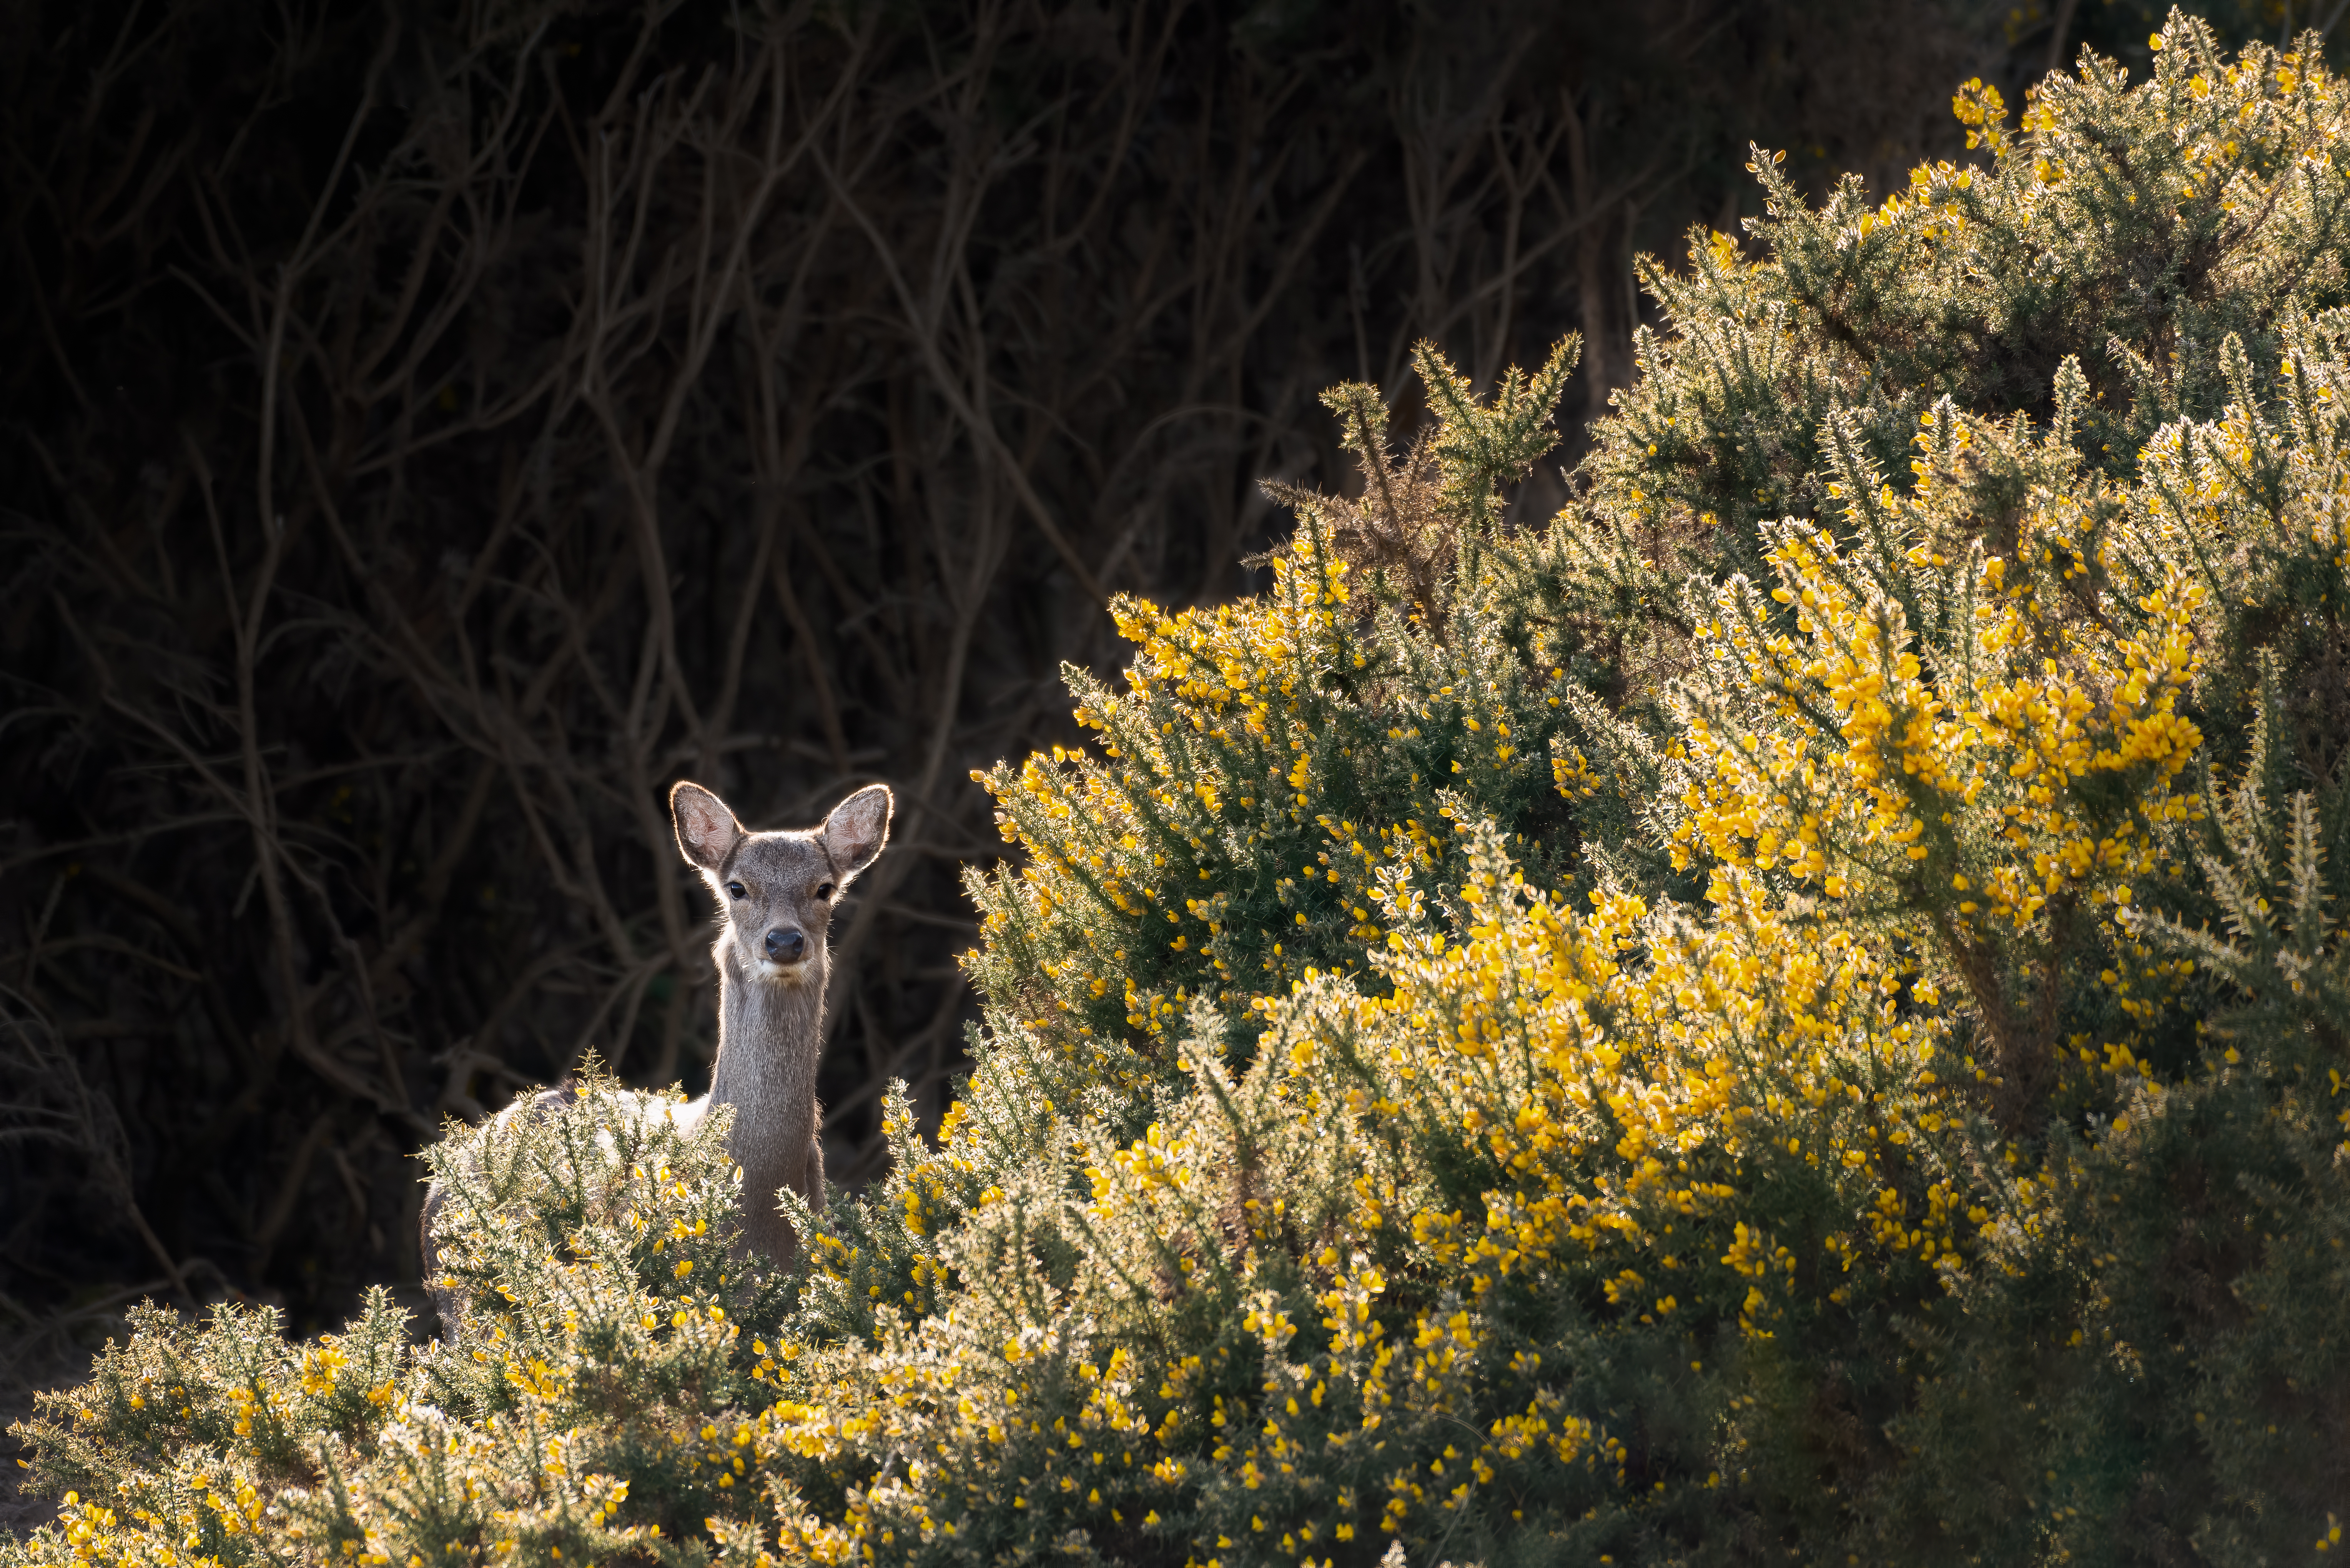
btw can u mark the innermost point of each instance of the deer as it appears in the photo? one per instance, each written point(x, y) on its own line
point(776, 893)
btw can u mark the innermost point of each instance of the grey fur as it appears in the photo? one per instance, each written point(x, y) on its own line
point(769, 1004)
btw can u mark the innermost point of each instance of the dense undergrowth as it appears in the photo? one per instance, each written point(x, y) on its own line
point(1794, 1013)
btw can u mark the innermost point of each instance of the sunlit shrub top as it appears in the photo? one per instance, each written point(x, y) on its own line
point(2132, 225)
point(1265, 758)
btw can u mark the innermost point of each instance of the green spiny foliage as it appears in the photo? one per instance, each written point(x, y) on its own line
point(2272, 861)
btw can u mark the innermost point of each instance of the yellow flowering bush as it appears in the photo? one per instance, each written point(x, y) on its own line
point(570, 1414)
point(1265, 758)
point(1441, 1262)
point(1993, 755)
point(2136, 226)
point(1795, 1012)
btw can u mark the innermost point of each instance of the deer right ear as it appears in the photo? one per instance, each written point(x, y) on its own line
point(706, 830)
point(857, 828)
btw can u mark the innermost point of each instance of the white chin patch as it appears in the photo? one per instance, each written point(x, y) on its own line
point(781, 973)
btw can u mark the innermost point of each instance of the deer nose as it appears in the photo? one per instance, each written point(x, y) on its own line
point(785, 945)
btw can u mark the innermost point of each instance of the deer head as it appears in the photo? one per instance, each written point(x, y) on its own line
point(776, 892)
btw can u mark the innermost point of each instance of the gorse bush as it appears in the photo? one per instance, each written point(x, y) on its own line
point(1793, 1012)
point(2135, 229)
point(1267, 758)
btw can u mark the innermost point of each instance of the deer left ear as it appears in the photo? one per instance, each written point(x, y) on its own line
point(857, 829)
point(706, 831)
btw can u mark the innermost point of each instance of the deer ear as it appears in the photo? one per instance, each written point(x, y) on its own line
point(706, 830)
point(857, 828)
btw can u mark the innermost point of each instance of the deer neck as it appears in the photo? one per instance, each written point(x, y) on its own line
point(768, 1036)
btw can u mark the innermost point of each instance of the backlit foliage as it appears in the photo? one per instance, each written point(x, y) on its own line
point(1267, 757)
point(1865, 1083)
point(2134, 226)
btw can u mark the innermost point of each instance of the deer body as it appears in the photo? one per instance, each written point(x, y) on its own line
point(775, 894)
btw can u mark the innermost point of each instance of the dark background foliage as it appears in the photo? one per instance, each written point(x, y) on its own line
point(432, 428)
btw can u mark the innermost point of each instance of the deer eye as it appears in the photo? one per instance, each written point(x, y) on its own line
point(824, 891)
point(736, 888)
